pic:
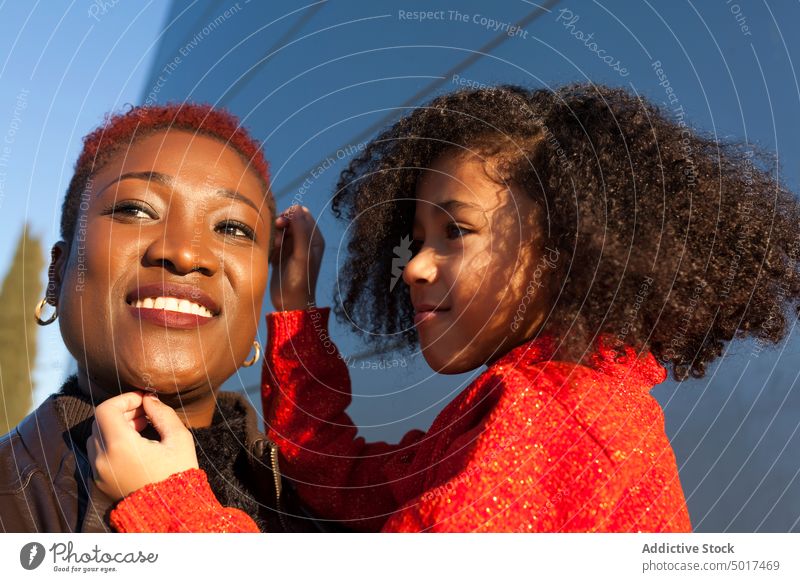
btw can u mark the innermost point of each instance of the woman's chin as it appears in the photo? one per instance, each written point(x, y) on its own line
point(178, 380)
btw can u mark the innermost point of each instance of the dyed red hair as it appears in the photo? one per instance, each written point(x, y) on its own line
point(121, 130)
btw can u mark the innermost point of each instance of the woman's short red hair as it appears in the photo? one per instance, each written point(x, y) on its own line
point(119, 131)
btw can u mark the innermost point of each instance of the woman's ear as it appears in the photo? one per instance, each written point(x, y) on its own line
point(59, 256)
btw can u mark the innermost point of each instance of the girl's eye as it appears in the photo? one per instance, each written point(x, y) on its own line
point(415, 247)
point(236, 229)
point(455, 231)
point(129, 210)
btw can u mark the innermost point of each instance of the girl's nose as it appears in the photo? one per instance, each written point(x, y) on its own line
point(422, 268)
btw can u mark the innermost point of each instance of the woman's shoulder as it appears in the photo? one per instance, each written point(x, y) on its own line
point(34, 462)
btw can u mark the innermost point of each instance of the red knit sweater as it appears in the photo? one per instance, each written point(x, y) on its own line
point(532, 445)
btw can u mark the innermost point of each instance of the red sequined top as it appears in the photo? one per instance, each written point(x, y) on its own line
point(532, 445)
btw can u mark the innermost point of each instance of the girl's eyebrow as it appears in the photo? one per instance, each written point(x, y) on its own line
point(448, 207)
point(167, 180)
point(452, 205)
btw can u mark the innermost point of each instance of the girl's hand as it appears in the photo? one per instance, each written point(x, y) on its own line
point(122, 459)
point(296, 260)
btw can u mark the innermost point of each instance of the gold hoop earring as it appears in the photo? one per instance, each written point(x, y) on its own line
point(37, 313)
point(256, 357)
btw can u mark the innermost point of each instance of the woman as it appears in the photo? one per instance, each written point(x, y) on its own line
point(157, 285)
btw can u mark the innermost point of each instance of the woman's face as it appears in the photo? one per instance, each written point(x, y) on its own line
point(478, 283)
point(165, 278)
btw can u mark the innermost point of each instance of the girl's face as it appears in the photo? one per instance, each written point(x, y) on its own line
point(164, 281)
point(478, 281)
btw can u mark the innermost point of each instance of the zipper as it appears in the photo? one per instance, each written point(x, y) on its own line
point(276, 475)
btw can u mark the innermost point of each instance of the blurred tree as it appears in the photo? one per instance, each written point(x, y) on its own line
point(21, 291)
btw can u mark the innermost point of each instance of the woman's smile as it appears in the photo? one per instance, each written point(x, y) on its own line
point(172, 305)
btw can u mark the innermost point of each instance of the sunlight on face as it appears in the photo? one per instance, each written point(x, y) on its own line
point(175, 215)
point(472, 277)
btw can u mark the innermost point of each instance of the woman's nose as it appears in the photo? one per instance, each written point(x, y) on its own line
point(183, 248)
point(422, 268)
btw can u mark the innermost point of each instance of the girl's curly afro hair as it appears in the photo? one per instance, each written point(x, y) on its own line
point(674, 242)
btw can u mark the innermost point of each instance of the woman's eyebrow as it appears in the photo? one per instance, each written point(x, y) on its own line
point(168, 180)
point(234, 195)
point(146, 176)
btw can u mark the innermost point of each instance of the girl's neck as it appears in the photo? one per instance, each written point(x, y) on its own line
point(501, 351)
point(505, 347)
point(510, 345)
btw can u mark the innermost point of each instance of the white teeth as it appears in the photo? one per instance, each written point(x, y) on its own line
point(173, 304)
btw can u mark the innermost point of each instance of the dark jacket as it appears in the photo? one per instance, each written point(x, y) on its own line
point(45, 475)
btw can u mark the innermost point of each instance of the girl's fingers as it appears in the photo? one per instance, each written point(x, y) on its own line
point(125, 402)
point(134, 414)
point(93, 438)
point(139, 423)
point(110, 416)
point(93, 447)
point(298, 238)
point(283, 240)
point(165, 420)
point(301, 227)
point(288, 214)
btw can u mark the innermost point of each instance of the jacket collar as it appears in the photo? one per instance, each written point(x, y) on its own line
point(227, 400)
point(637, 366)
point(55, 436)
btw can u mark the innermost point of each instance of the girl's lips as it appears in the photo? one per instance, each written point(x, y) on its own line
point(425, 316)
point(167, 318)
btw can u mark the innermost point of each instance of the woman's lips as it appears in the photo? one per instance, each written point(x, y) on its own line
point(167, 318)
point(178, 291)
point(171, 304)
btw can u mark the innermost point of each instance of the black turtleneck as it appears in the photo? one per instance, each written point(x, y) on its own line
point(222, 454)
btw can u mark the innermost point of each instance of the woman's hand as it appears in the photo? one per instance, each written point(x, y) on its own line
point(296, 260)
point(122, 459)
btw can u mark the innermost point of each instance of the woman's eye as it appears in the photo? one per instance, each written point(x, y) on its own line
point(129, 210)
point(415, 247)
point(236, 230)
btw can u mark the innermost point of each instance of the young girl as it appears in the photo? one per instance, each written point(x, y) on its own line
point(577, 242)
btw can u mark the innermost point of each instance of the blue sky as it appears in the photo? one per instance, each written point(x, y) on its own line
point(61, 68)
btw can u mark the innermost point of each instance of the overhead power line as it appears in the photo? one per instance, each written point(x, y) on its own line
point(425, 91)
